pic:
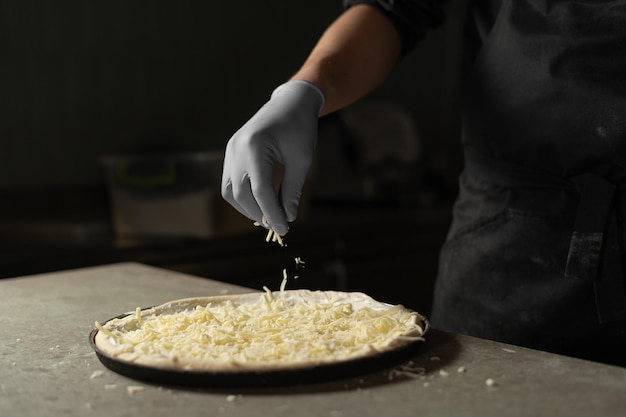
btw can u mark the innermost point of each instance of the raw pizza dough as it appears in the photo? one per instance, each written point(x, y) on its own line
point(260, 331)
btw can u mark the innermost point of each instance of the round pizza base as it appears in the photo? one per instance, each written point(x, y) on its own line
point(170, 368)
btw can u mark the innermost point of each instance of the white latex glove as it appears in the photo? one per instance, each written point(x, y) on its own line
point(283, 130)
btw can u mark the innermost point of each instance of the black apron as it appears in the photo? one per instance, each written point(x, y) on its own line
point(535, 252)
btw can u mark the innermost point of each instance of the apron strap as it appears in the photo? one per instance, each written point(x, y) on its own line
point(588, 245)
point(610, 288)
point(596, 196)
point(595, 212)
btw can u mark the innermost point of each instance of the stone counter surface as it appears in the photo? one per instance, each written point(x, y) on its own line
point(47, 367)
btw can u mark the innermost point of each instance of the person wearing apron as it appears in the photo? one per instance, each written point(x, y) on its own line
point(534, 254)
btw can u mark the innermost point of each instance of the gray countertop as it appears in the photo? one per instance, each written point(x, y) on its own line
point(47, 366)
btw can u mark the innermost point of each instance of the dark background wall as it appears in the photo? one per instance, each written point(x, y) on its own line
point(81, 78)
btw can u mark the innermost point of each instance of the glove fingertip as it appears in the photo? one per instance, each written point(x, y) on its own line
point(282, 230)
point(290, 207)
point(291, 214)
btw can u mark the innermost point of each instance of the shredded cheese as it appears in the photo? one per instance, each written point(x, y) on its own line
point(283, 284)
point(271, 328)
point(274, 237)
point(271, 236)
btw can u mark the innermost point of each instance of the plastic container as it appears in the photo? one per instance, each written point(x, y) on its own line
point(164, 197)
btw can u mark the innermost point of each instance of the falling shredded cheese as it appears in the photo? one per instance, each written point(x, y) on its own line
point(271, 329)
point(273, 236)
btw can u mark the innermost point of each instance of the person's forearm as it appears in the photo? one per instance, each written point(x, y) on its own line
point(355, 54)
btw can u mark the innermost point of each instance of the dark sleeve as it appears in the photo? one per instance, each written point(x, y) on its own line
point(412, 18)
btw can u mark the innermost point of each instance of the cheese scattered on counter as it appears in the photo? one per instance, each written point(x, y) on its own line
point(96, 374)
point(133, 389)
point(406, 371)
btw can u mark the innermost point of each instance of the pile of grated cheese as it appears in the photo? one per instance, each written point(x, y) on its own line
point(288, 327)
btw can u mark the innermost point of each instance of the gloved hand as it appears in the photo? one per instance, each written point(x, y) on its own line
point(283, 130)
